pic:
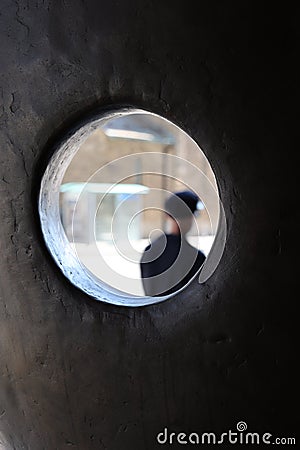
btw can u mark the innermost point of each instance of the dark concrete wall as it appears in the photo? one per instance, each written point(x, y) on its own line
point(77, 373)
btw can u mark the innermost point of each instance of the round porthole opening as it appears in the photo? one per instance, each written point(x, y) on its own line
point(130, 209)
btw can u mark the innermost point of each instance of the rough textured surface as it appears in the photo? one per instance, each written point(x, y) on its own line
point(84, 374)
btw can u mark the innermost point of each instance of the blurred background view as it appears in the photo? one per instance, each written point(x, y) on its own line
point(117, 185)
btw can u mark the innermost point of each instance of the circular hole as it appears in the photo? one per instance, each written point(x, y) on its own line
point(130, 210)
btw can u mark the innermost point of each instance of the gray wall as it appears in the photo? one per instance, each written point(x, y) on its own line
point(76, 373)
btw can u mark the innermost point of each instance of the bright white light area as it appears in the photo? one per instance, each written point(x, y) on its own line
point(127, 134)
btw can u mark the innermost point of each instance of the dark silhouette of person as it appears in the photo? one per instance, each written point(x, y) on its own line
point(170, 262)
